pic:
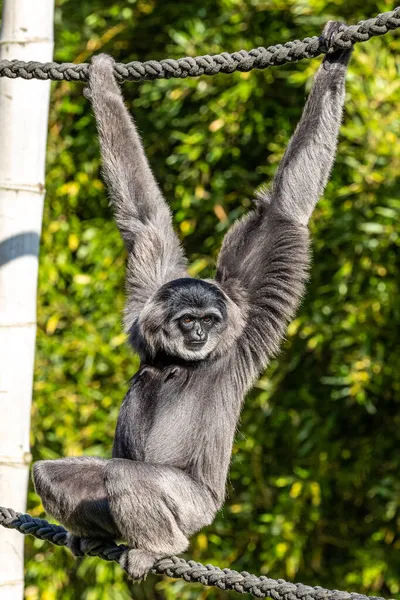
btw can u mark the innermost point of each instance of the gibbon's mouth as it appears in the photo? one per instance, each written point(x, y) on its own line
point(196, 345)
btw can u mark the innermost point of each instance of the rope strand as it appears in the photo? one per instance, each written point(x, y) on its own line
point(258, 58)
point(190, 571)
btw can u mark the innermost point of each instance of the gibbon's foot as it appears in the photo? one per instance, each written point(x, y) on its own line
point(80, 546)
point(335, 57)
point(137, 563)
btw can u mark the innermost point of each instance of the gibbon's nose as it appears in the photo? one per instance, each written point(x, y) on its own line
point(199, 333)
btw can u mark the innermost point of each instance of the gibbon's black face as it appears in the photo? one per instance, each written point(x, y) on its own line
point(186, 318)
point(195, 327)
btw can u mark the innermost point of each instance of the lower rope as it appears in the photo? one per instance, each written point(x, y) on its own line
point(191, 571)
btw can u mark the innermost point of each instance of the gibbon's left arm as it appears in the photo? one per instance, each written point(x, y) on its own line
point(265, 257)
point(155, 255)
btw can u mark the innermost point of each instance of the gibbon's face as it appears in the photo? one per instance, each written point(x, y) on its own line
point(192, 317)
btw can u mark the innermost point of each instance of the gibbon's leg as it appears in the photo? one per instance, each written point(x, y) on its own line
point(156, 508)
point(72, 490)
point(153, 508)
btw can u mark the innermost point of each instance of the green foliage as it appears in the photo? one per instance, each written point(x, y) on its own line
point(314, 493)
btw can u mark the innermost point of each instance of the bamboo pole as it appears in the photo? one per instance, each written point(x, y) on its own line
point(26, 34)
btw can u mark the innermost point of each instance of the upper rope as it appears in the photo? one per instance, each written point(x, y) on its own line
point(258, 58)
point(191, 571)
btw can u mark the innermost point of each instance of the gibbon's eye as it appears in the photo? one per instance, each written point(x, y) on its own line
point(208, 319)
point(187, 319)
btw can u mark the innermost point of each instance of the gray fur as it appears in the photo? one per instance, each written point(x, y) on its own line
point(177, 422)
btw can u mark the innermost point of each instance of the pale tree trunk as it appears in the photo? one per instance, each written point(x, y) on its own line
point(26, 34)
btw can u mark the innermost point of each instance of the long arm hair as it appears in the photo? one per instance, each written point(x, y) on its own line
point(155, 255)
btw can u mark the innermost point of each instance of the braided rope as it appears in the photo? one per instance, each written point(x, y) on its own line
point(258, 58)
point(191, 571)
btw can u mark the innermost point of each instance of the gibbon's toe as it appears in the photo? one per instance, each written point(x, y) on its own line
point(80, 546)
point(137, 563)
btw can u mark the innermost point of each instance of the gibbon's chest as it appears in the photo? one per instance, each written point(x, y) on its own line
point(176, 407)
point(165, 411)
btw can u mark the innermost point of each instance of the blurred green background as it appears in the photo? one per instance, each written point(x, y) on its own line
point(314, 488)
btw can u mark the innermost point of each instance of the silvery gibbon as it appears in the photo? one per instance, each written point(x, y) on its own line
point(202, 343)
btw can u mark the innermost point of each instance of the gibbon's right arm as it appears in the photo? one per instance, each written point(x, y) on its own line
point(155, 255)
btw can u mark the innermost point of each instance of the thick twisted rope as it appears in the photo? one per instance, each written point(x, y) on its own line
point(191, 571)
point(258, 58)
